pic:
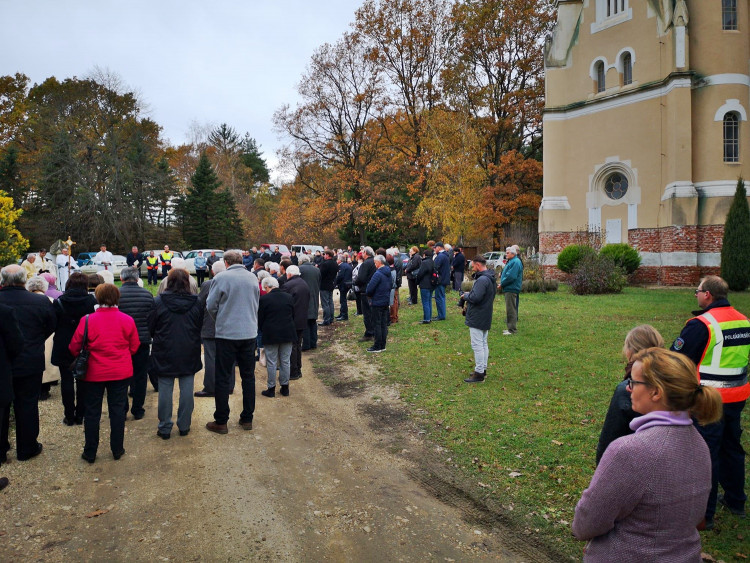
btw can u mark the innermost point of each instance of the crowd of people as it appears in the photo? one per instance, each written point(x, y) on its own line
point(670, 438)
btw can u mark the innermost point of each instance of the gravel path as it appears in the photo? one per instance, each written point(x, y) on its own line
point(311, 482)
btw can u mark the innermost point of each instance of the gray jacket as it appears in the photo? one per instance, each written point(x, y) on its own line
point(311, 275)
point(480, 299)
point(233, 303)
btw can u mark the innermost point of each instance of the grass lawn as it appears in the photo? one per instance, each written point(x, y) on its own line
point(528, 435)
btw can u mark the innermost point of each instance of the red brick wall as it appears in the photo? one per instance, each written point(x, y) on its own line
point(689, 238)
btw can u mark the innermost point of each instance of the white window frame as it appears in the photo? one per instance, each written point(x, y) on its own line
point(729, 6)
point(611, 12)
point(735, 141)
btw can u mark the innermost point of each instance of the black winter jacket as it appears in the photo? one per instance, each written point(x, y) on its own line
point(311, 275)
point(364, 275)
point(300, 292)
point(328, 270)
point(480, 299)
point(36, 318)
point(175, 326)
point(424, 275)
point(412, 266)
point(620, 413)
point(138, 303)
point(70, 308)
point(276, 317)
point(11, 345)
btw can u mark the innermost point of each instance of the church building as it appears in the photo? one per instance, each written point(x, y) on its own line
point(645, 129)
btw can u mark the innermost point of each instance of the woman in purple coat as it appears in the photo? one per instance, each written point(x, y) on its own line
point(649, 492)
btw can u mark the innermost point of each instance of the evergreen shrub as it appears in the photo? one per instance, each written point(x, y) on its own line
point(571, 255)
point(735, 249)
point(623, 255)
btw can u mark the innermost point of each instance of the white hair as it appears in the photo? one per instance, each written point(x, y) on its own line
point(270, 283)
point(218, 267)
point(37, 283)
point(380, 259)
point(273, 267)
point(107, 276)
point(304, 259)
point(262, 274)
point(178, 263)
point(292, 270)
point(368, 251)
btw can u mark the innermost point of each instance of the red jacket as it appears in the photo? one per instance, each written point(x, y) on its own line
point(112, 340)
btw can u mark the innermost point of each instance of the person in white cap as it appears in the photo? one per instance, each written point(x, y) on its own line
point(510, 283)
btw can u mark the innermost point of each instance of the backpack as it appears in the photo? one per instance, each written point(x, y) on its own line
point(435, 278)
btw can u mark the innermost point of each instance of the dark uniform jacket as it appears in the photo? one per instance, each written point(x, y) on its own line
point(11, 345)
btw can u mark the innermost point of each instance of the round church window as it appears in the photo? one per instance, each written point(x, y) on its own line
point(616, 185)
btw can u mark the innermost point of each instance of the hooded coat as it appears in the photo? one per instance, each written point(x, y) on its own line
point(480, 299)
point(175, 326)
point(70, 308)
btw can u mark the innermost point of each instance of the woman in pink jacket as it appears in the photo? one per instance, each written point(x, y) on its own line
point(112, 340)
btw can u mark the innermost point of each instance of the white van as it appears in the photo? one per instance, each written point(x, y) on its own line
point(311, 248)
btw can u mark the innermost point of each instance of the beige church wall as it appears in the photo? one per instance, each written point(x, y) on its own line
point(713, 50)
point(708, 134)
point(653, 57)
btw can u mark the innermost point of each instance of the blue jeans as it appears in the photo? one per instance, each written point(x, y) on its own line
point(440, 302)
point(727, 458)
point(426, 296)
point(184, 407)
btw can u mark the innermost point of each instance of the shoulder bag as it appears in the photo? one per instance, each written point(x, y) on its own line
point(81, 363)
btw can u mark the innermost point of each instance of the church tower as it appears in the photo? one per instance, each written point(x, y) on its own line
point(645, 129)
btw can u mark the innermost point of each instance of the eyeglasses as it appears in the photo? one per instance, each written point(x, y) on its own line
point(697, 291)
point(632, 382)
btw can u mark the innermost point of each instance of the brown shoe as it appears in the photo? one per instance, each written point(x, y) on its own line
point(246, 425)
point(214, 426)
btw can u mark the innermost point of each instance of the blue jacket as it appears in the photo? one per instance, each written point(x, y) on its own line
point(443, 267)
point(512, 276)
point(379, 288)
point(344, 276)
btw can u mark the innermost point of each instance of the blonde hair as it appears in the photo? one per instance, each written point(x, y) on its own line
point(676, 377)
point(640, 338)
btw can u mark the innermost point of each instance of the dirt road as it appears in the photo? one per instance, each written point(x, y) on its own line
point(314, 480)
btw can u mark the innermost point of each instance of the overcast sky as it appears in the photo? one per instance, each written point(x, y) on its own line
point(219, 61)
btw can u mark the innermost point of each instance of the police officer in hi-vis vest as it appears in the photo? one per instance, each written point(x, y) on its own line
point(152, 268)
point(166, 261)
point(717, 339)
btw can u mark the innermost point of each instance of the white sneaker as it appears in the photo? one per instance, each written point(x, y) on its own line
point(507, 333)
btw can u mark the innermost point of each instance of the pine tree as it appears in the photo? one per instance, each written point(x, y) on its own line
point(210, 217)
point(735, 250)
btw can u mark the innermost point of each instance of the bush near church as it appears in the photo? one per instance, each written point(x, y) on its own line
point(597, 274)
point(735, 249)
point(623, 255)
point(571, 255)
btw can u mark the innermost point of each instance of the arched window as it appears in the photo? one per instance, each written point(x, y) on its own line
point(731, 137)
point(627, 69)
point(599, 77)
point(729, 15)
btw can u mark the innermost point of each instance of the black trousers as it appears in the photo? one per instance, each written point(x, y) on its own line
point(72, 395)
point(227, 353)
point(296, 359)
point(343, 304)
point(367, 313)
point(117, 404)
point(153, 276)
point(201, 276)
point(310, 336)
point(26, 391)
point(380, 317)
point(139, 381)
point(413, 291)
point(358, 301)
point(165, 271)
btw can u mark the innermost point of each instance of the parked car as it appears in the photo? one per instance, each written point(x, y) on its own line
point(191, 254)
point(494, 259)
point(144, 270)
point(84, 257)
point(311, 248)
point(118, 263)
